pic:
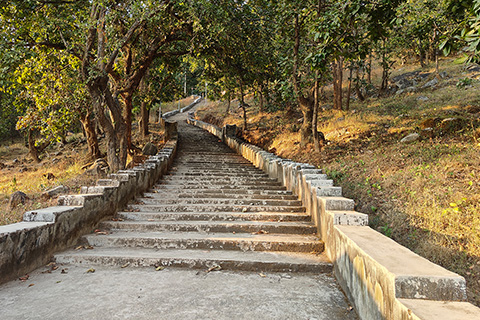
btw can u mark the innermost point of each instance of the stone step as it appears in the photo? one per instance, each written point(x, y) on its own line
point(237, 170)
point(206, 195)
point(180, 186)
point(169, 190)
point(210, 241)
point(213, 216)
point(219, 179)
point(218, 201)
point(215, 175)
point(212, 208)
point(213, 226)
point(219, 182)
point(200, 259)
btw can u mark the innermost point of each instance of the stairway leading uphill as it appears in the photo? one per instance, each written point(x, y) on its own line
point(214, 210)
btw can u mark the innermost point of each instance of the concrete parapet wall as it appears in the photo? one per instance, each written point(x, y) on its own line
point(184, 109)
point(382, 279)
point(29, 244)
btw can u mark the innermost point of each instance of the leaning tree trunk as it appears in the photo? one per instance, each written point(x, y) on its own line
point(337, 83)
point(90, 135)
point(306, 106)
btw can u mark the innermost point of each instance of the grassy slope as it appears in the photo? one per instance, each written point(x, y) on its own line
point(425, 195)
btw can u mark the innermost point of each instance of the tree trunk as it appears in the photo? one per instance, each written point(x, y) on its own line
point(243, 106)
point(316, 143)
point(306, 106)
point(349, 90)
point(90, 135)
point(369, 74)
point(144, 118)
point(31, 146)
point(127, 114)
point(337, 83)
point(229, 93)
point(260, 91)
point(357, 86)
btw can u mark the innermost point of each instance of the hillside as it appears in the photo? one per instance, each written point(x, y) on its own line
point(424, 194)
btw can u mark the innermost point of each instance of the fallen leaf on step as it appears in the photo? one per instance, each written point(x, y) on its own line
point(150, 219)
point(24, 278)
point(214, 268)
point(244, 210)
point(262, 275)
point(159, 268)
point(98, 231)
point(51, 264)
point(54, 268)
point(59, 281)
point(88, 247)
point(64, 271)
point(31, 285)
point(91, 270)
point(260, 232)
point(79, 248)
point(126, 265)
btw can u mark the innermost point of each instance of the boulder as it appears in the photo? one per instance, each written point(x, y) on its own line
point(410, 138)
point(422, 98)
point(451, 125)
point(149, 149)
point(18, 197)
point(55, 192)
point(427, 133)
point(430, 83)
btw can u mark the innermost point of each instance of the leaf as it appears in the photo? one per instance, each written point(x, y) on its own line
point(262, 275)
point(24, 278)
point(214, 268)
point(159, 268)
point(126, 265)
point(31, 285)
point(91, 270)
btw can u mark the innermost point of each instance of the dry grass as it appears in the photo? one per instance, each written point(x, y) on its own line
point(425, 195)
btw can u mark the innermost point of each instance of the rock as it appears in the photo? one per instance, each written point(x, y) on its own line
point(410, 138)
point(399, 92)
point(422, 98)
point(430, 123)
point(451, 125)
point(99, 167)
point(149, 149)
point(430, 83)
point(15, 161)
point(2, 165)
point(18, 197)
point(55, 192)
point(411, 89)
point(405, 83)
point(23, 169)
point(443, 74)
point(427, 133)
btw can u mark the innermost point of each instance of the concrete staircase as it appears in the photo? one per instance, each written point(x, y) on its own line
point(213, 211)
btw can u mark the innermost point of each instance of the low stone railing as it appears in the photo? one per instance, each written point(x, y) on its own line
point(184, 109)
point(27, 245)
point(382, 279)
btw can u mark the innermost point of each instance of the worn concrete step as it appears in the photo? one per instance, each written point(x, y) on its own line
point(214, 216)
point(219, 182)
point(180, 186)
point(215, 175)
point(219, 179)
point(228, 162)
point(218, 201)
point(239, 170)
point(198, 195)
point(209, 241)
point(213, 226)
point(212, 208)
point(261, 192)
point(200, 259)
